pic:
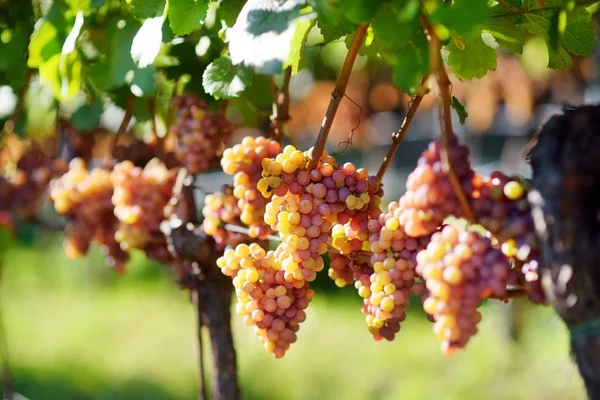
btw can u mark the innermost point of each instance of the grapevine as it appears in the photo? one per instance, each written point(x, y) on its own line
point(171, 132)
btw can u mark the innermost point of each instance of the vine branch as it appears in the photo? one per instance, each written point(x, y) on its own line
point(281, 104)
point(338, 94)
point(445, 117)
point(122, 128)
point(398, 137)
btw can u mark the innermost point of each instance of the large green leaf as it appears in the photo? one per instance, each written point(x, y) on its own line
point(263, 33)
point(117, 67)
point(463, 16)
point(146, 43)
point(186, 16)
point(222, 79)
point(332, 22)
point(565, 32)
point(147, 8)
point(411, 64)
point(473, 59)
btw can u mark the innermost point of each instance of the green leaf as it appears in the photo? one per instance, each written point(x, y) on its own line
point(412, 63)
point(463, 16)
point(146, 43)
point(262, 35)
point(460, 110)
point(87, 116)
point(473, 60)
point(13, 45)
point(228, 11)
point(143, 9)
point(117, 67)
point(222, 79)
point(186, 16)
point(296, 56)
point(360, 11)
point(563, 35)
point(388, 29)
point(332, 22)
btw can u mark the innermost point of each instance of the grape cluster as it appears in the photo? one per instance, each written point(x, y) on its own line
point(139, 198)
point(84, 198)
point(387, 291)
point(460, 268)
point(500, 205)
point(345, 270)
point(429, 196)
point(306, 203)
point(265, 299)
point(244, 161)
point(200, 133)
point(22, 191)
point(220, 209)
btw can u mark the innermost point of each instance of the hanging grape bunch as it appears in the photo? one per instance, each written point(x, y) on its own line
point(201, 133)
point(84, 198)
point(221, 209)
point(139, 200)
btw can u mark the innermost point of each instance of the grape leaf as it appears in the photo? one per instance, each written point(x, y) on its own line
point(87, 116)
point(296, 56)
point(117, 67)
point(460, 110)
point(360, 11)
point(146, 43)
point(52, 51)
point(147, 8)
point(411, 64)
point(229, 10)
point(389, 31)
point(262, 34)
point(544, 19)
point(186, 16)
point(332, 22)
point(463, 16)
point(473, 59)
point(14, 49)
point(222, 79)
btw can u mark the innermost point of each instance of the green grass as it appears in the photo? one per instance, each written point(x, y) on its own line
point(75, 331)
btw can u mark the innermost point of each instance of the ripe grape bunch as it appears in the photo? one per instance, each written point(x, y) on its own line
point(461, 268)
point(139, 198)
point(306, 203)
point(84, 198)
point(387, 290)
point(220, 209)
point(265, 299)
point(244, 162)
point(429, 197)
point(200, 133)
point(500, 205)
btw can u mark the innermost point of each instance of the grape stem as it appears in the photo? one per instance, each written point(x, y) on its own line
point(398, 137)
point(160, 144)
point(245, 231)
point(511, 294)
point(338, 94)
point(445, 116)
point(122, 128)
point(9, 126)
point(281, 104)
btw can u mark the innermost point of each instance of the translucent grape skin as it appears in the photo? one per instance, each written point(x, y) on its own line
point(200, 133)
point(265, 299)
point(460, 268)
point(219, 209)
point(84, 197)
point(139, 199)
point(429, 197)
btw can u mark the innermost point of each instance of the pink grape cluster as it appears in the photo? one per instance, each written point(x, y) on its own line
point(345, 270)
point(200, 133)
point(139, 199)
point(265, 299)
point(220, 209)
point(429, 197)
point(460, 268)
point(306, 203)
point(387, 291)
point(244, 162)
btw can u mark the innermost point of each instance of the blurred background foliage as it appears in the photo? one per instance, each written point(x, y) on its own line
point(75, 330)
